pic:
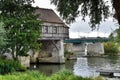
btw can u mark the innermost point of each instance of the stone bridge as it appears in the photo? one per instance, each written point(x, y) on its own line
point(86, 46)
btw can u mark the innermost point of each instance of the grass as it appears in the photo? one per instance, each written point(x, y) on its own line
point(30, 75)
point(35, 75)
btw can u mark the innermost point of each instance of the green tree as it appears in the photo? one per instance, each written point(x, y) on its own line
point(115, 36)
point(2, 38)
point(21, 25)
point(97, 10)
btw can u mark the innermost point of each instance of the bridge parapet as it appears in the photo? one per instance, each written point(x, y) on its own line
point(86, 40)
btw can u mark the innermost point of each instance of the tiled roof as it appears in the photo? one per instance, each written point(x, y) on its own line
point(48, 15)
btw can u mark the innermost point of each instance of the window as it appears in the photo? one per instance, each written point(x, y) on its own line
point(45, 29)
point(54, 29)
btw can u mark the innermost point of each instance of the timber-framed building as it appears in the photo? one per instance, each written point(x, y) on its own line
point(54, 32)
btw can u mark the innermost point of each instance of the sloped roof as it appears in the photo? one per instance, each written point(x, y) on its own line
point(48, 15)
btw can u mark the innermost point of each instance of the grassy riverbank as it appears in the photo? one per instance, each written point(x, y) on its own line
point(34, 75)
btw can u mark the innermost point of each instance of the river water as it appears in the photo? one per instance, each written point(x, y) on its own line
point(83, 66)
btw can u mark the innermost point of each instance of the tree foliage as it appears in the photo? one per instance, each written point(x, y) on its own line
point(97, 10)
point(115, 36)
point(111, 48)
point(116, 6)
point(21, 25)
point(2, 37)
point(2, 34)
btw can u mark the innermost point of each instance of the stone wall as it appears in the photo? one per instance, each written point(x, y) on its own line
point(92, 48)
point(78, 49)
point(25, 61)
point(74, 47)
point(95, 49)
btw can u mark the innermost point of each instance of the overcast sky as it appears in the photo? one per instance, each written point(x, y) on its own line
point(81, 28)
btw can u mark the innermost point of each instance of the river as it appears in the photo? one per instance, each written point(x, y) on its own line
point(83, 66)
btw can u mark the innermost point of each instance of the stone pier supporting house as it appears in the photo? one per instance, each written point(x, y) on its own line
point(52, 51)
point(54, 31)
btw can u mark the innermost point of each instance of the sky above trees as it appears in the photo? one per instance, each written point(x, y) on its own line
point(81, 28)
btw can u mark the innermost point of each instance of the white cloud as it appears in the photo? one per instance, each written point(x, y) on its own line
point(83, 28)
point(80, 26)
point(90, 34)
point(43, 4)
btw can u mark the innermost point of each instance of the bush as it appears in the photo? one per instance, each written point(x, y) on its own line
point(67, 52)
point(111, 48)
point(7, 66)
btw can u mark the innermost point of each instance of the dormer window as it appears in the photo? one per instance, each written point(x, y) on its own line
point(54, 29)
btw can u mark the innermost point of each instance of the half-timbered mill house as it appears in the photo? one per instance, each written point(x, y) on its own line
point(54, 31)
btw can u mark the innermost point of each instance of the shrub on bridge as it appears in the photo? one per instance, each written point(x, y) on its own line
point(69, 54)
point(111, 48)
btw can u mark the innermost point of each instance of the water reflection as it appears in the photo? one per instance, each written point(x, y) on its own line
point(47, 69)
point(114, 59)
point(104, 63)
point(82, 66)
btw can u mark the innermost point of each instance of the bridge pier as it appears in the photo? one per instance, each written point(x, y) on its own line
point(79, 49)
point(84, 49)
point(52, 51)
point(95, 49)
